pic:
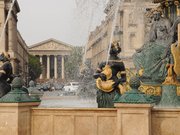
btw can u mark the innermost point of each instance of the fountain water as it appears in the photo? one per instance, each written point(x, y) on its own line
point(86, 95)
point(113, 28)
point(6, 21)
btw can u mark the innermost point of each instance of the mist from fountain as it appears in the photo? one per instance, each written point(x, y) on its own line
point(86, 95)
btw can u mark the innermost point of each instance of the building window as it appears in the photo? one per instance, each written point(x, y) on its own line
point(132, 40)
point(127, 0)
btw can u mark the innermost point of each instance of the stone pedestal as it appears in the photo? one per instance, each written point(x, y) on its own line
point(15, 118)
point(169, 98)
point(133, 119)
point(15, 110)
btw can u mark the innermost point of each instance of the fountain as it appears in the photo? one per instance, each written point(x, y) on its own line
point(84, 97)
point(157, 61)
point(135, 112)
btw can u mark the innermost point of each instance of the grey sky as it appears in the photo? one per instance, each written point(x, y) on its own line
point(60, 19)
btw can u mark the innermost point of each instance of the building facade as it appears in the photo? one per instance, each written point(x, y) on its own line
point(131, 31)
point(51, 54)
point(11, 40)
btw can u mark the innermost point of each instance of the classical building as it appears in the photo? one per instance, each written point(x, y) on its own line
point(11, 40)
point(51, 54)
point(131, 30)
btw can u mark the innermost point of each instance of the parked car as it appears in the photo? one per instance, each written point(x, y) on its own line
point(45, 87)
point(58, 86)
point(71, 86)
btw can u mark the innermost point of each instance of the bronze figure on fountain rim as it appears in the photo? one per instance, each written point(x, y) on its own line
point(110, 77)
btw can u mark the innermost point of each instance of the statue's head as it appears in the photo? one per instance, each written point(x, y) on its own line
point(4, 57)
point(31, 83)
point(115, 49)
point(157, 15)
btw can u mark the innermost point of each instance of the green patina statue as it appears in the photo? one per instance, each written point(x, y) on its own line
point(18, 93)
point(154, 56)
point(134, 96)
point(34, 91)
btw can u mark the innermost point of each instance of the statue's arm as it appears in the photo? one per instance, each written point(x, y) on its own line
point(174, 26)
point(152, 35)
point(3, 67)
point(122, 71)
point(99, 70)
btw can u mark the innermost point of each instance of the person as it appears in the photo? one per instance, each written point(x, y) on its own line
point(109, 77)
point(6, 75)
point(152, 58)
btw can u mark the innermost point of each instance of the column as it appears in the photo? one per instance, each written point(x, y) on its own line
point(41, 61)
point(55, 67)
point(10, 48)
point(2, 41)
point(48, 67)
point(10, 34)
point(62, 68)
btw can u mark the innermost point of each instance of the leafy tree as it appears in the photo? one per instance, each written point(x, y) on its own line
point(34, 67)
point(73, 63)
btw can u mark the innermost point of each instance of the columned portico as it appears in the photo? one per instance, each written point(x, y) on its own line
point(53, 60)
point(55, 67)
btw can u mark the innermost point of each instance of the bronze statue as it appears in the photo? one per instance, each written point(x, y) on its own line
point(153, 57)
point(5, 74)
point(109, 78)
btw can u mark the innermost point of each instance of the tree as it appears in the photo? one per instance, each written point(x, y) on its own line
point(34, 67)
point(73, 63)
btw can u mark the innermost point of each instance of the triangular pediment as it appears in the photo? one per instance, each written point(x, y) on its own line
point(51, 44)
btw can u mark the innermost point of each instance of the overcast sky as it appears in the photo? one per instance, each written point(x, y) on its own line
point(40, 20)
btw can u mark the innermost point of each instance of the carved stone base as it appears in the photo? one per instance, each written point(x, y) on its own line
point(169, 97)
point(151, 89)
point(155, 90)
point(178, 90)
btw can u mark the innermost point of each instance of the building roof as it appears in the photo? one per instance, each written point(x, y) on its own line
point(159, 1)
point(50, 47)
point(58, 43)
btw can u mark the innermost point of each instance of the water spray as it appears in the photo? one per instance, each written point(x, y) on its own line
point(92, 18)
point(89, 28)
point(6, 21)
point(113, 28)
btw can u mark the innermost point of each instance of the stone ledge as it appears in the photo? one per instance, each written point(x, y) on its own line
point(120, 105)
point(166, 109)
point(19, 104)
point(77, 109)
